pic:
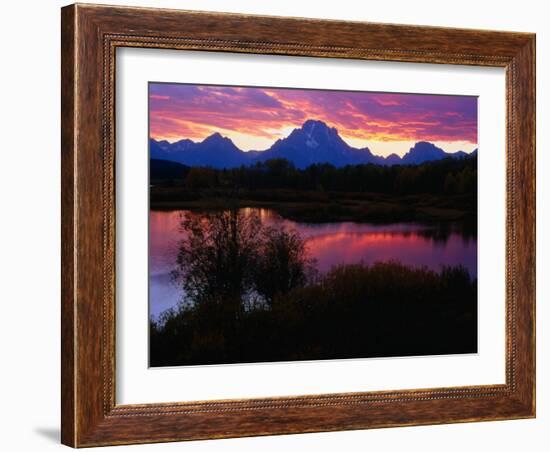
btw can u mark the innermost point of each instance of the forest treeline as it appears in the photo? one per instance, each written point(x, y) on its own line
point(447, 176)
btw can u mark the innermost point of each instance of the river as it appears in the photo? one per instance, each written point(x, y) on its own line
point(329, 243)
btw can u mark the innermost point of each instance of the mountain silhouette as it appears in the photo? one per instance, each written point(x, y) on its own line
point(215, 151)
point(421, 152)
point(313, 142)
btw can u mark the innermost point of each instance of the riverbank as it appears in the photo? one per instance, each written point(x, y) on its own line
point(311, 206)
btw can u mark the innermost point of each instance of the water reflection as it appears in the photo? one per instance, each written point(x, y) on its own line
point(329, 243)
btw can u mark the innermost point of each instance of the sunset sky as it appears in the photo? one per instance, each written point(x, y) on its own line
point(254, 118)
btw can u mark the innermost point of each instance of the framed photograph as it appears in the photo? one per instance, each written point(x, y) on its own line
point(281, 225)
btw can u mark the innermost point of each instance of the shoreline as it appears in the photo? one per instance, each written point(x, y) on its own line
point(321, 207)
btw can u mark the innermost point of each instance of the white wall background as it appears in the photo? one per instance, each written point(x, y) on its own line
point(29, 225)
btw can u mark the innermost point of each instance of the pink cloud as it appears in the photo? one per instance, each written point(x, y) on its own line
point(195, 111)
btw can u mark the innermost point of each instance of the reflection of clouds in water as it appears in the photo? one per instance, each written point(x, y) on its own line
point(410, 249)
point(163, 293)
point(329, 243)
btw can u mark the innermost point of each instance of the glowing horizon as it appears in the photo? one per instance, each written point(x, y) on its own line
point(254, 118)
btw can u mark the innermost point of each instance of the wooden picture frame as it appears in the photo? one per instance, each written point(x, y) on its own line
point(90, 36)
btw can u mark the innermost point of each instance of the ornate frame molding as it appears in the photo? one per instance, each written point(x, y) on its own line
point(90, 37)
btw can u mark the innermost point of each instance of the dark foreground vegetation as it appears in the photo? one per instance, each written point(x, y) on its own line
point(444, 190)
point(354, 311)
point(252, 294)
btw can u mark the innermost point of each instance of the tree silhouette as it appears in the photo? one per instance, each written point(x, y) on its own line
point(283, 263)
point(227, 256)
point(216, 257)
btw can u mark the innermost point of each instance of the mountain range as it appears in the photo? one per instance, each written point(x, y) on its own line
point(314, 142)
